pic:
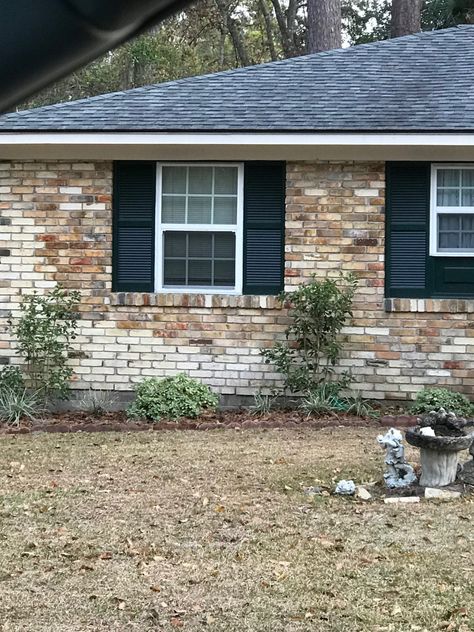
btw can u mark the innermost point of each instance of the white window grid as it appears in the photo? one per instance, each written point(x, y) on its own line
point(162, 228)
point(436, 210)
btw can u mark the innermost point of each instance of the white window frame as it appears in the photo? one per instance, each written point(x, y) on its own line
point(436, 210)
point(161, 228)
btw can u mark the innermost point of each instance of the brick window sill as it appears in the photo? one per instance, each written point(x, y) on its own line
point(429, 305)
point(141, 299)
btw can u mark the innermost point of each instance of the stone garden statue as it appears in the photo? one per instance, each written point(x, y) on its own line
point(398, 473)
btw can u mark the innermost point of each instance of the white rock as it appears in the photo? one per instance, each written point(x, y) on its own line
point(441, 494)
point(363, 494)
point(427, 431)
point(345, 488)
point(395, 500)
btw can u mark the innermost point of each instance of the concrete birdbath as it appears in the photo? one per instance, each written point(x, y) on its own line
point(440, 437)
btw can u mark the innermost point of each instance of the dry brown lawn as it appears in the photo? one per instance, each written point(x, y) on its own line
point(212, 531)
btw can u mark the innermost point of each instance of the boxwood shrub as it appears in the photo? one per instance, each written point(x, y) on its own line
point(435, 398)
point(171, 398)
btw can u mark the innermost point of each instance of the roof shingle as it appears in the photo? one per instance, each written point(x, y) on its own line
point(422, 82)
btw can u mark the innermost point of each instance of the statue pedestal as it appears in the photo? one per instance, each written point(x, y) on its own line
point(438, 455)
point(438, 468)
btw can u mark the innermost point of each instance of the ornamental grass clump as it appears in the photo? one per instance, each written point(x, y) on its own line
point(171, 398)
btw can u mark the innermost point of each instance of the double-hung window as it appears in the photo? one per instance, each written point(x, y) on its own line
point(452, 211)
point(199, 227)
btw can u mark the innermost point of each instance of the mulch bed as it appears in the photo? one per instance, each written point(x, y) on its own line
point(236, 419)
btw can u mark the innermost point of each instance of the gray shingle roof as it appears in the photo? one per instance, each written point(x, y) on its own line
point(422, 82)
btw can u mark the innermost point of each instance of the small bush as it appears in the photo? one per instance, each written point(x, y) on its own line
point(318, 310)
point(97, 403)
point(172, 398)
point(435, 398)
point(11, 379)
point(16, 405)
point(44, 332)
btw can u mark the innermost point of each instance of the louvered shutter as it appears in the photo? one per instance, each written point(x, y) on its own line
point(264, 227)
point(133, 226)
point(407, 229)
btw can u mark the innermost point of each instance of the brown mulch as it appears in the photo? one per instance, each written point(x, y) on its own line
point(235, 419)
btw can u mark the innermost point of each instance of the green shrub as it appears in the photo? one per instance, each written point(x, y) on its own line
point(172, 398)
point(435, 398)
point(11, 379)
point(16, 405)
point(43, 333)
point(318, 312)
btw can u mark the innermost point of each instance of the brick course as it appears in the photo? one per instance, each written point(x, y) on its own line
point(55, 226)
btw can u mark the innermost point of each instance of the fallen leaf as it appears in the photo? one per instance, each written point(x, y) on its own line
point(176, 622)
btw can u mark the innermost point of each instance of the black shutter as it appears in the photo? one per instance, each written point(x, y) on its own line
point(407, 229)
point(133, 226)
point(264, 227)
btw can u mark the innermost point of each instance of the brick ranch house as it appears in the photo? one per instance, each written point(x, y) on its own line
point(180, 210)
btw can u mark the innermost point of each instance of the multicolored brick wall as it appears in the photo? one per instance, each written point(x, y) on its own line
point(56, 226)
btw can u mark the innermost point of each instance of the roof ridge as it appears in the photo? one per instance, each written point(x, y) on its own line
point(245, 69)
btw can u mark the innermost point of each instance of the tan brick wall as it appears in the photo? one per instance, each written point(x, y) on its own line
point(55, 226)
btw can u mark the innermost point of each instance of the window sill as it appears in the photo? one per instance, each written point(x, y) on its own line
point(429, 305)
point(145, 299)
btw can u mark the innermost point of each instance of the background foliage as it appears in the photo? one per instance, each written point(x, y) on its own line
point(215, 35)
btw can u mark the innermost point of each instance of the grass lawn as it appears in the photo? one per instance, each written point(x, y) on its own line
point(212, 531)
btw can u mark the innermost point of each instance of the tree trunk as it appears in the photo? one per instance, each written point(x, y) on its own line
point(406, 17)
point(324, 25)
point(234, 32)
point(286, 40)
point(268, 29)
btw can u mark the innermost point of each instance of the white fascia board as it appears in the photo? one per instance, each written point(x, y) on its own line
point(236, 146)
point(239, 139)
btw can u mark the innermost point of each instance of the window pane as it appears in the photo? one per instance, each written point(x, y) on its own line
point(225, 210)
point(468, 177)
point(224, 273)
point(199, 210)
point(200, 180)
point(200, 245)
point(200, 272)
point(449, 241)
point(449, 222)
point(175, 244)
point(449, 177)
point(467, 241)
point(173, 180)
point(467, 222)
point(456, 231)
point(224, 246)
point(173, 209)
point(225, 180)
point(175, 272)
point(468, 197)
point(448, 197)
point(199, 259)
